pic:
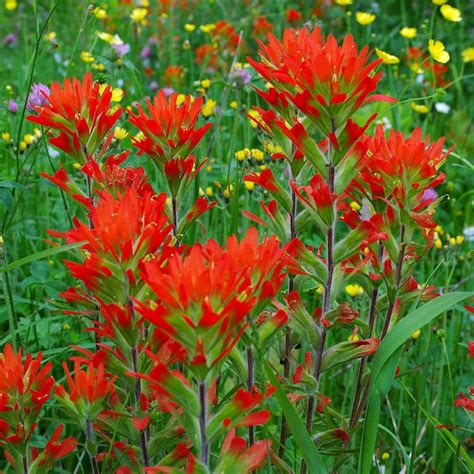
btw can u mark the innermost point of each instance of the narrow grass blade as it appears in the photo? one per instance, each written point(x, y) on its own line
point(303, 440)
point(385, 362)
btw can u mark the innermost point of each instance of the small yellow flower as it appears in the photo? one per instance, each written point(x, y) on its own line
point(187, 45)
point(452, 241)
point(319, 290)
point(262, 167)
point(6, 137)
point(107, 37)
point(8, 88)
point(386, 58)
point(189, 27)
point(420, 108)
point(249, 185)
point(208, 107)
point(139, 15)
point(11, 5)
point(385, 456)
point(240, 155)
point(206, 83)
point(23, 146)
point(77, 166)
point(364, 18)
point(99, 13)
point(120, 133)
point(29, 139)
point(227, 192)
point(180, 99)
point(257, 154)
point(208, 168)
point(439, 2)
point(344, 2)
point(117, 94)
point(256, 116)
point(38, 133)
point(209, 191)
point(408, 32)
point(439, 230)
point(353, 338)
point(87, 57)
point(233, 104)
point(51, 36)
point(207, 28)
point(355, 206)
point(468, 55)
point(459, 239)
point(98, 67)
point(450, 13)
point(416, 334)
point(438, 244)
point(437, 51)
point(354, 290)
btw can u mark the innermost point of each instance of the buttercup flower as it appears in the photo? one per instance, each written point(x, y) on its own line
point(437, 51)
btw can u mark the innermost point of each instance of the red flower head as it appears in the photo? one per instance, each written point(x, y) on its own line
point(403, 169)
point(123, 230)
point(169, 134)
point(90, 390)
point(80, 114)
point(204, 297)
point(326, 81)
point(236, 457)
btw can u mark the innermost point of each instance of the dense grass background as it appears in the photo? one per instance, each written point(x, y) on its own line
point(436, 367)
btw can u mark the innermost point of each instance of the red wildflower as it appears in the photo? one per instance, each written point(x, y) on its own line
point(236, 457)
point(261, 26)
point(80, 114)
point(89, 390)
point(204, 296)
point(293, 16)
point(326, 81)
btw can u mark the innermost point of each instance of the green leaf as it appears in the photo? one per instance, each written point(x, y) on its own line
point(303, 440)
point(385, 362)
point(39, 256)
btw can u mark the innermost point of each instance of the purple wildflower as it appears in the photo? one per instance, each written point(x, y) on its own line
point(145, 52)
point(121, 49)
point(429, 195)
point(10, 39)
point(168, 91)
point(36, 97)
point(12, 106)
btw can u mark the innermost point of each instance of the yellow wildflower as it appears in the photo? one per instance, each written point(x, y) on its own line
point(256, 116)
point(227, 191)
point(437, 51)
point(107, 37)
point(408, 32)
point(29, 139)
point(459, 239)
point(355, 206)
point(364, 18)
point(51, 36)
point(385, 456)
point(353, 338)
point(189, 27)
point(439, 2)
point(209, 191)
point(416, 334)
point(249, 185)
point(77, 166)
point(23, 146)
point(11, 5)
point(420, 108)
point(240, 155)
point(439, 230)
point(257, 154)
point(87, 57)
point(117, 94)
point(354, 290)
point(450, 13)
point(344, 2)
point(98, 67)
point(139, 15)
point(180, 99)
point(319, 290)
point(386, 58)
point(233, 104)
point(99, 13)
point(206, 83)
point(207, 28)
point(208, 107)
point(6, 137)
point(468, 55)
point(120, 133)
point(438, 244)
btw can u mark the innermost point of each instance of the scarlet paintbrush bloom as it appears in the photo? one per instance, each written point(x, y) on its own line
point(204, 297)
point(123, 230)
point(89, 390)
point(80, 114)
point(54, 450)
point(326, 81)
point(403, 169)
point(236, 457)
point(169, 134)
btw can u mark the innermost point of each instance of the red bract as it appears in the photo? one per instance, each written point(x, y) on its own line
point(80, 115)
point(123, 230)
point(89, 390)
point(326, 81)
point(204, 296)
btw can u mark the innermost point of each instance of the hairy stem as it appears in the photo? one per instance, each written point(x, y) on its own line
point(90, 439)
point(204, 455)
point(250, 383)
point(174, 205)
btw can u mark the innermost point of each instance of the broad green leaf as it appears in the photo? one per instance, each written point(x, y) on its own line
point(385, 362)
point(303, 440)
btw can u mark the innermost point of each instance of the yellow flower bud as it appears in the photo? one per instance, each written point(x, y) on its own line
point(416, 334)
